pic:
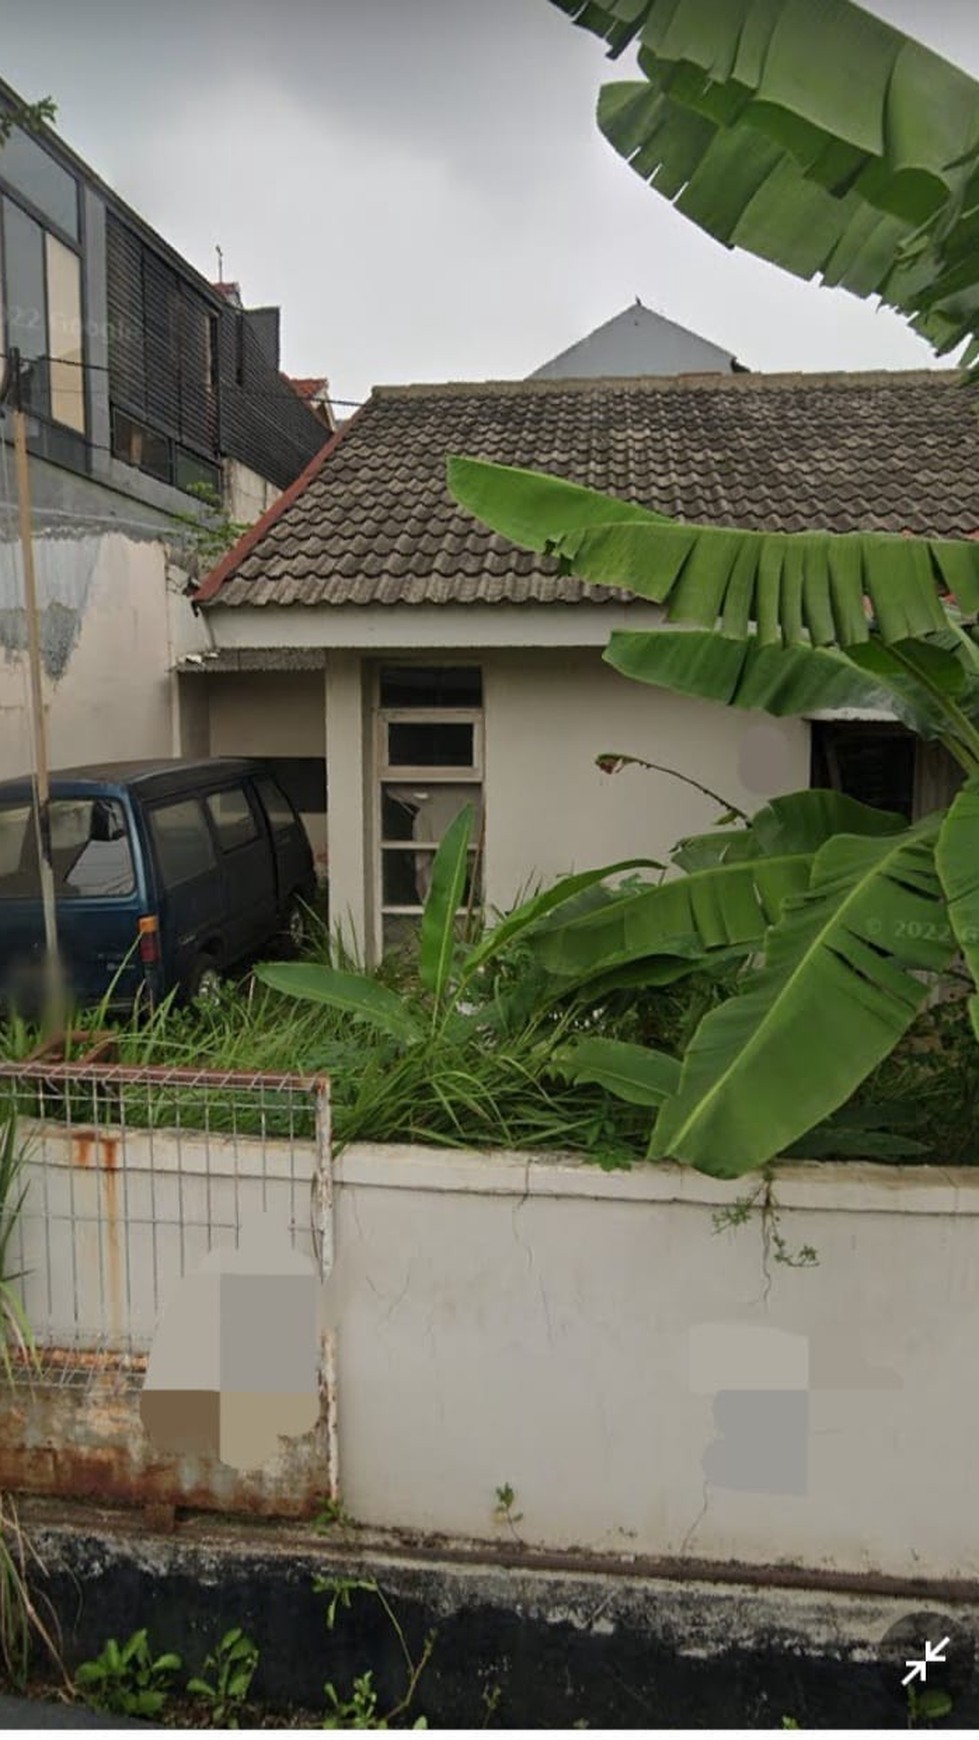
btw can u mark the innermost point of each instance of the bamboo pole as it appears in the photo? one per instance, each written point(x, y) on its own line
point(53, 988)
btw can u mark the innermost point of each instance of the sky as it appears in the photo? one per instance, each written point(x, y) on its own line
point(420, 185)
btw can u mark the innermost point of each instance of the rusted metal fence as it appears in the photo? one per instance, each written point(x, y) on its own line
point(131, 1177)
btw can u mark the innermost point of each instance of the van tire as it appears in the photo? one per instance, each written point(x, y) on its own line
point(203, 982)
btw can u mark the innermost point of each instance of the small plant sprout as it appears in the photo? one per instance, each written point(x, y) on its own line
point(504, 1510)
point(231, 1668)
point(332, 1515)
point(125, 1679)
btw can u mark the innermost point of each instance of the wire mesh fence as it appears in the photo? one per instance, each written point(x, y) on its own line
point(130, 1177)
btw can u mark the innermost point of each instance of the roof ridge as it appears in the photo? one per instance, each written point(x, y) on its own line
point(748, 381)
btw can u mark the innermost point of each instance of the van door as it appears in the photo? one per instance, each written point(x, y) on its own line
point(193, 916)
point(294, 868)
point(248, 869)
point(98, 899)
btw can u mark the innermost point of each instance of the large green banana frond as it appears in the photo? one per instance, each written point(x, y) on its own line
point(839, 987)
point(817, 137)
point(813, 589)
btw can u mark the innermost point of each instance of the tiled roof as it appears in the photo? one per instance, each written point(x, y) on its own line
point(307, 386)
point(371, 521)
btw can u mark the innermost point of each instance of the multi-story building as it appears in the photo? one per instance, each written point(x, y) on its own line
point(146, 389)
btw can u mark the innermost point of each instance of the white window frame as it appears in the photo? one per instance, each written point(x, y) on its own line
point(387, 773)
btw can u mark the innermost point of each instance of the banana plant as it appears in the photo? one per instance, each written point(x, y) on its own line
point(826, 141)
point(452, 973)
point(845, 936)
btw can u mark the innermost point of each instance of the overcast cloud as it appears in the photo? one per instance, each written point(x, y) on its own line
point(419, 184)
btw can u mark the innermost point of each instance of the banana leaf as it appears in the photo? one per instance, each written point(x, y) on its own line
point(728, 905)
point(632, 1072)
point(805, 589)
point(820, 138)
point(841, 983)
point(957, 859)
point(355, 994)
point(437, 944)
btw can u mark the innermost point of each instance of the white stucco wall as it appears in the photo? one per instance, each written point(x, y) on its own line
point(550, 810)
point(571, 1333)
point(645, 1384)
point(113, 620)
point(548, 714)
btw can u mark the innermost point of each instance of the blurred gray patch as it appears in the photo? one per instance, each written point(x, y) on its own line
point(766, 759)
point(269, 1337)
point(746, 1356)
point(762, 1442)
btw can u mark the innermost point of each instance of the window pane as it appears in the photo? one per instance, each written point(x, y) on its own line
point(276, 806)
point(431, 686)
point(65, 335)
point(136, 445)
point(871, 763)
point(90, 851)
point(231, 814)
point(27, 167)
point(189, 471)
point(182, 840)
point(430, 744)
point(406, 876)
point(417, 812)
point(26, 323)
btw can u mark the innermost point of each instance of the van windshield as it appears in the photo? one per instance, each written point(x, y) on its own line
point(89, 848)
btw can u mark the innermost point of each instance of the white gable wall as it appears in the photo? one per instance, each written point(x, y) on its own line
point(547, 714)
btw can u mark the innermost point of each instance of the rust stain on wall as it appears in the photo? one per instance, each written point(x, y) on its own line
point(81, 1441)
point(81, 1150)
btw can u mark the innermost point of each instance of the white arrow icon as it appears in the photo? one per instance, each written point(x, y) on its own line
point(919, 1669)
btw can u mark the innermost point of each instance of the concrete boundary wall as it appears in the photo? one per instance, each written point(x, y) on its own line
point(534, 1352)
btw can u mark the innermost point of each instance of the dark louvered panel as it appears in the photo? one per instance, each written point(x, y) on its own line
point(197, 411)
point(124, 289)
point(161, 308)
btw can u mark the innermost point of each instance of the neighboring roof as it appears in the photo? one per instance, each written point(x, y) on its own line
point(637, 342)
point(307, 386)
point(371, 522)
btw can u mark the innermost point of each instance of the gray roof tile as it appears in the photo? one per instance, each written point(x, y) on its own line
point(374, 524)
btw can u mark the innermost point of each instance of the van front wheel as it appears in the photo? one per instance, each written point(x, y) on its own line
point(203, 983)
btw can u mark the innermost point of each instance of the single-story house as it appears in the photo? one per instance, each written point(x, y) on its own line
point(395, 659)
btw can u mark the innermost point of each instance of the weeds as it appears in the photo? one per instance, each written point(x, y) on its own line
point(231, 1665)
point(21, 1617)
point(126, 1680)
point(360, 1708)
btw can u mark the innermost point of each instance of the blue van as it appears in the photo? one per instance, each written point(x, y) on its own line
point(167, 874)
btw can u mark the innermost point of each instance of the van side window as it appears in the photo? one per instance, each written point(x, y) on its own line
point(276, 806)
point(182, 840)
point(90, 850)
point(232, 816)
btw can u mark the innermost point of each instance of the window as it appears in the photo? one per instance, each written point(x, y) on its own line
point(163, 364)
point(90, 851)
point(430, 736)
point(137, 445)
point(276, 806)
point(189, 472)
point(41, 289)
point(183, 841)
point(32, 172)
point(870, 762)
point(232, 816)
